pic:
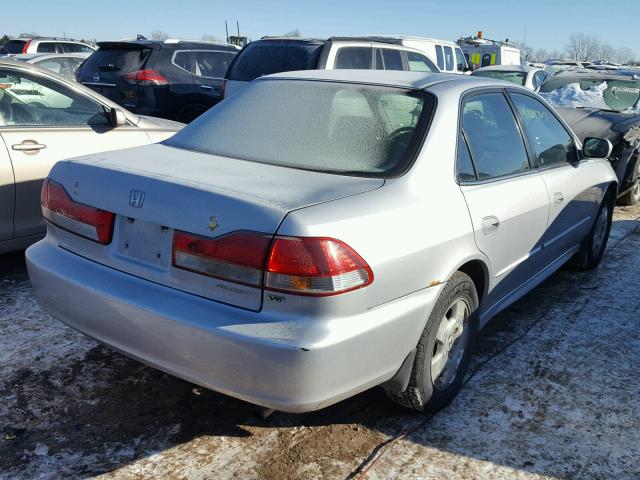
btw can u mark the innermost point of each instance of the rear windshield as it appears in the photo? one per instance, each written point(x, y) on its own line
point(315, 125)
point(115, 60)
point(619, 94)
point(266, 57)
point(514, 77)
point(13, 46)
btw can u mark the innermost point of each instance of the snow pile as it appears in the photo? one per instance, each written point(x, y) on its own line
point(572, 95)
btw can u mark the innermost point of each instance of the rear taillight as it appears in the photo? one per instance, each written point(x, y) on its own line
point(315, 266)
point(83, 220)
point(236, 257)
point(145, 77)
point(299, 265)
point(26, 47)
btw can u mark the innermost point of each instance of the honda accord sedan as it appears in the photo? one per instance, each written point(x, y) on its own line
point(324, 232)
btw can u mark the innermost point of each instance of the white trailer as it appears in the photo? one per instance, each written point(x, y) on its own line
point(482, 52)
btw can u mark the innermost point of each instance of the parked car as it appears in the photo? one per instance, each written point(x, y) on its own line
point(298, 243)
point(447, 55)
point(174, 79)
point(282, 54)
point(530, 77)
point(604, 104)
point(64, 64)
point(44, 45)
point(44, 118)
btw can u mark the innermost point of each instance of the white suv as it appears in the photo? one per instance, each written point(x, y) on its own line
point(284, 54)
point(44, 45)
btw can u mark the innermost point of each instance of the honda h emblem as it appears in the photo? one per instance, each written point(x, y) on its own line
point(136, 198)
point(96, 77)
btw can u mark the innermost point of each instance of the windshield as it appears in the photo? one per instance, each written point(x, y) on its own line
point(514, 77)
point(604, 94)
point(315, 125)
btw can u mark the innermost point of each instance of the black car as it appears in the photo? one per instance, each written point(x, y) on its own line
point(173, 79)
point(604, 104)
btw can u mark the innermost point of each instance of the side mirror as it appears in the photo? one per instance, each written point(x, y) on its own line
point(117, 117)
point(597, 148)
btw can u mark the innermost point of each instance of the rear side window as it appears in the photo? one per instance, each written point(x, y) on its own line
point(448, 58)
point(322, 126)
point(420, 63)
point(267, 57)
point(496, 145)
point(354, 57)
point(466, 172)
point(392, 59)
point(550, 141)
point(114, 62)
point(185, 60)
point(47, 47)
point(212, 64)
point(75, 48)
point(13, 46)
point(439, 57)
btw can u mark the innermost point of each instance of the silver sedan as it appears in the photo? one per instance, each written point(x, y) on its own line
point(324, 232)
point(45, 118)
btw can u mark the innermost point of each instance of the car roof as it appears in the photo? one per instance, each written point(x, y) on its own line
point(393, 78)
point(27, 57)
point(171, 42)
point(508, 68)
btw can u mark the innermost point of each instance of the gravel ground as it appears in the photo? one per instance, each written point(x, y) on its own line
point(554, 393)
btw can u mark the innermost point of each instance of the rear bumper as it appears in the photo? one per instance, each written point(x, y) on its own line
point(227, 349)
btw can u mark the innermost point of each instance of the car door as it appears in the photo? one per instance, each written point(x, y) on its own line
point(7, 191)
point(572, 185)
point(210, 69)
point(46, 121)
point(507, 199)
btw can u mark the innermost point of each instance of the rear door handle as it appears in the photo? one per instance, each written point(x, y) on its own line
point(206, 87)
point(558, 198)
point(28, 146)
point(490, 224)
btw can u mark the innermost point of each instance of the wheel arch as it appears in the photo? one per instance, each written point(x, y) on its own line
point(478, 270)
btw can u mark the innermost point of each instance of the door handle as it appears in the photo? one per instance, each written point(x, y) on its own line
point(28, 146)
point(206, 87)
point(490, 224)
point(558, 198)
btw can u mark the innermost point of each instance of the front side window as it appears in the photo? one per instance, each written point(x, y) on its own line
point(322, 126)
point(212, 64)
point(439, 57)
point(419, 63)
point(461, 62)
point(354, 57)
point(448, 58)
point(27, 100)
point(550, 141)
point(496, 145)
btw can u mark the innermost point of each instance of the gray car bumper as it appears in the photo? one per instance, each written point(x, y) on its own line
point(224, 348)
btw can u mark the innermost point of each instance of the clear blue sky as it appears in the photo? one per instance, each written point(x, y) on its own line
point(548, 23)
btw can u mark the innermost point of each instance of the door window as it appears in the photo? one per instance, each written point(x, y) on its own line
point(461, 62)
point(27, 100)
point(551, 142)
point(47, 47)
point(466, 173)
point(448, 58)
point(419, 63)
point(184, 60)
point(496, 145)
point(538, 79)
point(212, 64)
point(439, 57)
point(392, 59)
point(354, 57)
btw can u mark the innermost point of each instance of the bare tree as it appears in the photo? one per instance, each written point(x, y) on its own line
point(625, 56)
point(526, 52)
point(540, 55)
point(605, 52)
point(293, 33)
point(159, 35)
point(583, 47)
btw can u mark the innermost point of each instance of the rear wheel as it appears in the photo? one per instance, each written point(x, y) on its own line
point(633, 195)
point(595, 243)
point(445, 348)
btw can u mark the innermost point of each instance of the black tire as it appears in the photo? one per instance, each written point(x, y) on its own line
point(632, 196)
point(591, 251)
point(189, 113)
point(423, 394)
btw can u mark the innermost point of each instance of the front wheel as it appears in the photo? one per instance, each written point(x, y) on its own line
point(595, 243)
point(632, 196)
point(445, 348)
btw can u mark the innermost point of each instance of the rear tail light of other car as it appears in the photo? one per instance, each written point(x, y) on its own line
point(26, 46)
point(298, 265)
point(145, 78)
point(83, 220)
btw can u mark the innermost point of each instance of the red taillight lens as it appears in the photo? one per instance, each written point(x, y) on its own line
point(315, 266)
point(83, 220)
point(146, 77)
point(236, 257)
point(26, 46)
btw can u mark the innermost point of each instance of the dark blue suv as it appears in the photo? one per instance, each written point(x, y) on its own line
point(173, 79)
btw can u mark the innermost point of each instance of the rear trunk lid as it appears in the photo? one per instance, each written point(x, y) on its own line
point(156, 189)
point(103, 71)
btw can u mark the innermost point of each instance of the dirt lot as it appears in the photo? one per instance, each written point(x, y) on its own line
point(554, 392)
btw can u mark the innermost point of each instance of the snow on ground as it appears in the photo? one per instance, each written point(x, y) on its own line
point(554, 394)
